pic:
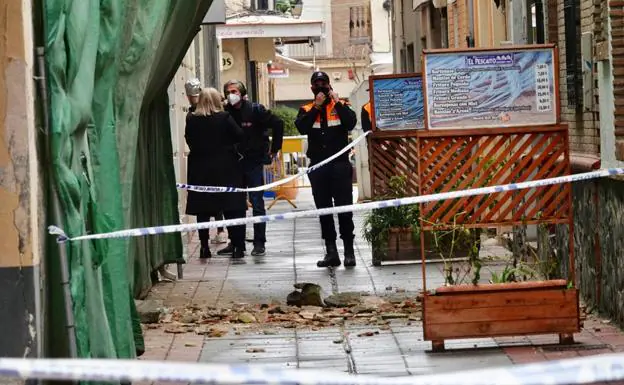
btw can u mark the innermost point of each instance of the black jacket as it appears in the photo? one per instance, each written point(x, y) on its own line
point(256, 120)
point(365, 118)
point(213, 161)
point(326, 138)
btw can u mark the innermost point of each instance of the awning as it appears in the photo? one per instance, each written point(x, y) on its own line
point(292, 62)
point(381, 63)
point(269, 26)
point(418, 3)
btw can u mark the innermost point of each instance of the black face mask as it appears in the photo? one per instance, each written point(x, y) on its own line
point(324, 90)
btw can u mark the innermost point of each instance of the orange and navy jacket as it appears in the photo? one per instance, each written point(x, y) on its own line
point(327, 128)
point(365, 117)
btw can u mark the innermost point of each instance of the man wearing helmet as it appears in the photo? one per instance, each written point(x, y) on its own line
point(192, 88)
point(327, 122)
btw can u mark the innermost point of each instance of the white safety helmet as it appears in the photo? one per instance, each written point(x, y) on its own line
point(192, 87)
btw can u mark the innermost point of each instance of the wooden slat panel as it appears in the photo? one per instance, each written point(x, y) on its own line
point(503, 313)
point(390, 156)
point(457, 162)
point(497, 287)
point(462, 159)
point(501, 328)
point(520, 298)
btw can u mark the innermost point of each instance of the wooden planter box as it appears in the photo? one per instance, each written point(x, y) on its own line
point(402, 247)
point(507, 309)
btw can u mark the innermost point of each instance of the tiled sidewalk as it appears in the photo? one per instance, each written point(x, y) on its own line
point(292, 252)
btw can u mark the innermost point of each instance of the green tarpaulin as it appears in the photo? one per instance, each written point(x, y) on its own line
point(109, 63)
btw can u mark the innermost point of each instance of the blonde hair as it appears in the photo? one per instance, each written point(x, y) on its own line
point(210, 102)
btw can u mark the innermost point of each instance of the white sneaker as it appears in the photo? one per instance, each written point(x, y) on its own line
point(220, 238)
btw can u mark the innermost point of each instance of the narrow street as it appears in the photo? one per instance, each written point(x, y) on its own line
point(235, 312)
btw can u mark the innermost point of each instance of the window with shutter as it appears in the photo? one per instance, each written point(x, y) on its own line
point(571, 11)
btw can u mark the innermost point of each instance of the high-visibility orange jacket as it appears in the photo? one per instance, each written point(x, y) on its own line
point(327, 128)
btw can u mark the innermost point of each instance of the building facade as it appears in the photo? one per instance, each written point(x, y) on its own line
point(356, 42)
point(590, 40)
point(417, 25)
point(251, 38)
point(22, 280)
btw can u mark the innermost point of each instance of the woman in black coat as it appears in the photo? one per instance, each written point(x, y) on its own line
point(212, 136)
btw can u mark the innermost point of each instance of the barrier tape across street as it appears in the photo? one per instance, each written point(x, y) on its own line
point(222, 189)
point(138, 232)
point(583, 370)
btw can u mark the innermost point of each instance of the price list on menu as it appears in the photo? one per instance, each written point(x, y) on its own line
point(542, 88)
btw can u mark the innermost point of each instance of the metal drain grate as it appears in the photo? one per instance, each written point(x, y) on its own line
point(558, 348)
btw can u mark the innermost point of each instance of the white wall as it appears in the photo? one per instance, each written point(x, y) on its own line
point(382, 28)
point(178, 105)
point(358, 98)
point(315, 10)
point(297, 85)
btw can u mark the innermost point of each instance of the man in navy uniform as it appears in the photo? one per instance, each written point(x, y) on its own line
point(327, 122)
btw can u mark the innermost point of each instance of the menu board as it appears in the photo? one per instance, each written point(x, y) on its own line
point(398, 102)
point(493, 88)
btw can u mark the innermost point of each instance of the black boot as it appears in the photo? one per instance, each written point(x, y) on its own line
point(349, 253)
point(204, 252)
point(238, 253)
point(227, 250)
point(332, 259)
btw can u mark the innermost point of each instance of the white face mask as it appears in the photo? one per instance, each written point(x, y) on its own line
point(234, 98)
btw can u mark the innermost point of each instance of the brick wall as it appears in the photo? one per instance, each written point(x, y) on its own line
point(584, 122)
point(553, 22)
point(616, 13)
point(342, 46)
point(458, 12)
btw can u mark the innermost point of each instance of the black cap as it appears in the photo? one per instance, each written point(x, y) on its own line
point(319, 75)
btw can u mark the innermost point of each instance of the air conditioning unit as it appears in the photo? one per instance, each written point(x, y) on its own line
point(337, 75)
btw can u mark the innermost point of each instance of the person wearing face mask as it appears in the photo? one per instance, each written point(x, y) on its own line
point(257, 151)
point(327, 122)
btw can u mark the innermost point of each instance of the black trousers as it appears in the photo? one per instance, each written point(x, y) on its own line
point(332, 186)
point(219, 217)
point(235, 233)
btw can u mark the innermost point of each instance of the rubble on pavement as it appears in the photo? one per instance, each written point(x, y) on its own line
point(356, 308)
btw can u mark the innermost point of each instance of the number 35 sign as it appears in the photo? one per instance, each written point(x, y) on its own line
point(227, 61)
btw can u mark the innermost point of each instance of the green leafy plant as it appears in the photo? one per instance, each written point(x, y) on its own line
point(282, 6)
point(288, 115)
point(379, 221)
point(511, 273)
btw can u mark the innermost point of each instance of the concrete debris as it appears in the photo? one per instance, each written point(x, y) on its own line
point(247, 318)
point(346, 299)
point(355, 308)
point(149, 310)
point(310, 295)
